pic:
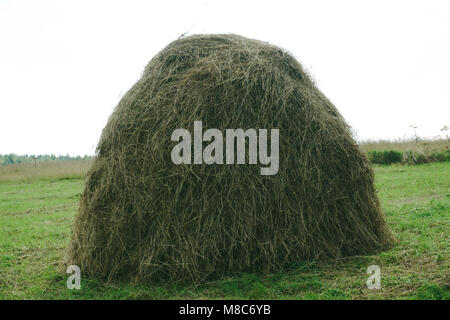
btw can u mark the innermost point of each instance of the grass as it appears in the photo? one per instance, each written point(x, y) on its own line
point(37, 209)
point(52, 169)
point(426, 146)
point(407, 151)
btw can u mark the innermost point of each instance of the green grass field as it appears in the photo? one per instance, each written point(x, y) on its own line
point(36, 213)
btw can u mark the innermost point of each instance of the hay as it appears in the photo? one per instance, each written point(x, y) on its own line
point(144, 219)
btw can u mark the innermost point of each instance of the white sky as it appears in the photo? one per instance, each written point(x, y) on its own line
point(65, 64)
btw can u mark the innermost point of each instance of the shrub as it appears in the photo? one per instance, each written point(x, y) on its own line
point(412, 157)
point(385, 157)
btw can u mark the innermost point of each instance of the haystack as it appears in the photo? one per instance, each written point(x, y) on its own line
point(143, 218)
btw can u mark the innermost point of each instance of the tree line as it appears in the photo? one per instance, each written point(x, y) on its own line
point(14, 158)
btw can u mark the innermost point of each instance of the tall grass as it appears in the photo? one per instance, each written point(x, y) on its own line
point(45, 169)
point(414, 151)
point(425, 146)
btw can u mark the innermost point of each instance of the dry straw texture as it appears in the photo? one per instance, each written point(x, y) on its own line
point(144, 219)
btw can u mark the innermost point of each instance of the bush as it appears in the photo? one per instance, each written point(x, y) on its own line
point(440, 156)
point(408, 157)
point(411, 157)
point(385, 157)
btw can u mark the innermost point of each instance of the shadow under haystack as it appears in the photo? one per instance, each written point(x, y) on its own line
point(144, 219)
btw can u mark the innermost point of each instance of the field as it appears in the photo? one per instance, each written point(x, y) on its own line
point(38, 205)
point(425, 146)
